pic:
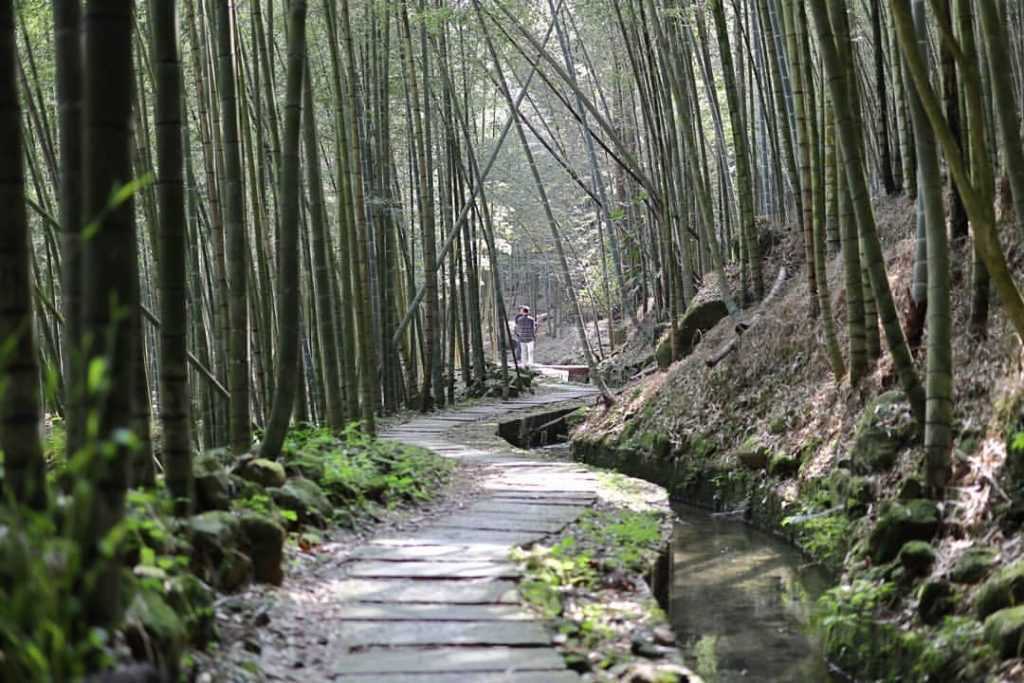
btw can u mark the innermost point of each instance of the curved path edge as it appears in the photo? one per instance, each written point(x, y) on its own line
point(440, 603)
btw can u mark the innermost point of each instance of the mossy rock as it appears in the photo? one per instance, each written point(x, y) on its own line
point(192, 600)
point(214, 488)
point(884, 429)
point(661, 446)
point(306, 465)
point(1004, 631)
point(973, 565)
point(154, 632)
point(234, 571)
point(216, 541)
point(213, 531)
point(264, 539)
point(915, 520)
point(1011, 412)
point(699, 318)
point(784, 466)
point(243, 488)
point(910, 488)
point(266, 473)
point(1003, 589)
point(305, 498)
point(917, 557)
point(935, 600)
point(222, 455)
point(752, 454)
point(859, 492)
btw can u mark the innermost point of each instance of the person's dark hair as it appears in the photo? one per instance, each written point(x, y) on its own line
point(525, 309)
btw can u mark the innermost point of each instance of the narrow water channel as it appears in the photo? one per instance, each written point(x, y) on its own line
point(741, 602)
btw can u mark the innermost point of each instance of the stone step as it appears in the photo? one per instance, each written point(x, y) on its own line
point(440, 604)
point(472, 677)
point(363, 634)
point(427, 612)
point(433, 570)
point(463, 592)
point(458, 660)
point(431, 552)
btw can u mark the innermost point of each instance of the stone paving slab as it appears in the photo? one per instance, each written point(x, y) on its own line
point(499, 523)
point(434, 535)
point(476, 677)
point(428, 552)
point(434, 570)
point(362, 634)
point(438, 613)
point(463, 592)
point(505, 486)
point(440, 603)
point(525, 513)
point(462, 660)
point(526, 508)
point(550, 500)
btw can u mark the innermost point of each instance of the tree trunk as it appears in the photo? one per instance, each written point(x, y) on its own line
point(110, 286)
point(287, 382)
point(25, 476)
point(174, 394)
point(235, 239)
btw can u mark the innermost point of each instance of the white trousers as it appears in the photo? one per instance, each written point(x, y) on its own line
point(526, 353)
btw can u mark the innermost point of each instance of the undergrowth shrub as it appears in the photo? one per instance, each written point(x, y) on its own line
point(43, 635)
point(857, 634)
point(358, 470)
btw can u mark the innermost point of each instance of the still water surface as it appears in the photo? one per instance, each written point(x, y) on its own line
point(741, 602)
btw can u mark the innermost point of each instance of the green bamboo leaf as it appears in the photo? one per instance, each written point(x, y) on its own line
point(119, 195)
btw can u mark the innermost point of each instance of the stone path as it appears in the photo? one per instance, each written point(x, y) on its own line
point(440, 604)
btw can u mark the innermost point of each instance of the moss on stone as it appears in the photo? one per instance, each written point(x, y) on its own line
point(884, 429)
point(262, 471)
point(213, 484)
point(784, 466)
point(973, 565)
point(1003, 589)
point(935, 600)
point(901, 522)
point(305, 498)
point(154, 630)
point(1004, 631)
point(264, 539)
point(192, 600)
point(917, 557)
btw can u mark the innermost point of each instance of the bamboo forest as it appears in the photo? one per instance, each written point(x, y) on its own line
point(511, 341)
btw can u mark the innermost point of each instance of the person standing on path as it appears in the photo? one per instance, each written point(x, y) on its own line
point(526, 334)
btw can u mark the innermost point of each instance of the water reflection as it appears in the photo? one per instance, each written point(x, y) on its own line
point(741, 602)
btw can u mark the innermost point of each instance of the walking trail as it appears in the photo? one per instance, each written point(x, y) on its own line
point(440, 603)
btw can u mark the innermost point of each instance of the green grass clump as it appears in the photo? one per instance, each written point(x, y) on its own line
point(826, 538)
point(624, 540)
point(955, 651)
point(358, 470)
point(629, 538)
point(550, 573)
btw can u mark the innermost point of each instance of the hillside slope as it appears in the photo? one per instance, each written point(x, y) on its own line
point(769, 434)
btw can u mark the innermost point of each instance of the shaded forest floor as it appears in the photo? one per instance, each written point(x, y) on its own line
point(282, 632)
point(585, 583)
point(768, 434)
